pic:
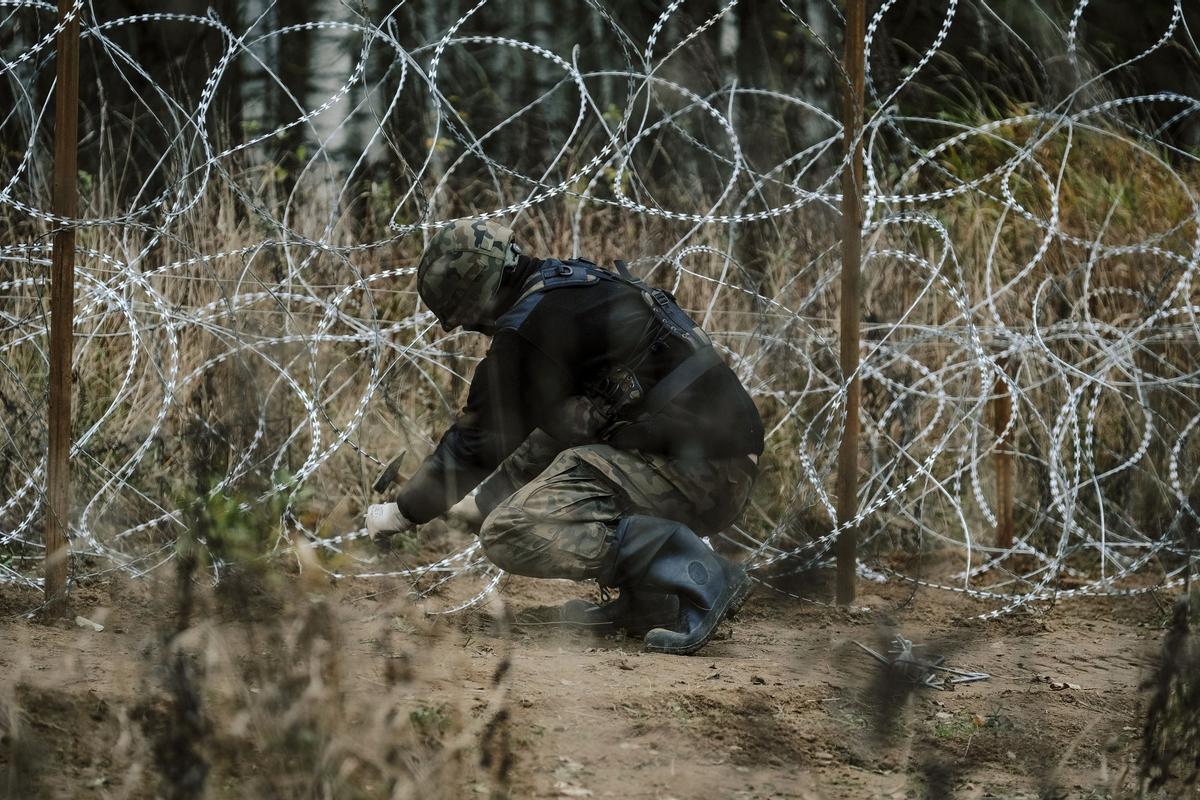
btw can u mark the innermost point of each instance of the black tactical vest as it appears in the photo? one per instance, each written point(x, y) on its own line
point(632, 406)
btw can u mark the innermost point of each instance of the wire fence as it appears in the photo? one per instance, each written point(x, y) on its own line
point(1045, 253)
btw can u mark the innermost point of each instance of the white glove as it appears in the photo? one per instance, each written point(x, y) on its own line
point(385, 521)
point(466, 512)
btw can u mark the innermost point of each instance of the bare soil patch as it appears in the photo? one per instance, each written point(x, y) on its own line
point(782, 705)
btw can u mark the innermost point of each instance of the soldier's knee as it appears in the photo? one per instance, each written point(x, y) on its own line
point(518, 540)
point(500, 531)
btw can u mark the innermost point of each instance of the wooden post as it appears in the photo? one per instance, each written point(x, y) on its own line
point(1002, 416)
point(62, 313)
point(852, 180)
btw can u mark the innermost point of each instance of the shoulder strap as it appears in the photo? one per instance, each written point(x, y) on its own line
point(674, 318)
point(515, 316)
point(555, 274)
point(623, 271)
point(682, 376)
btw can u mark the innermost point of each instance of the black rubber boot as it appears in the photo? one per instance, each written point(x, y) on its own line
point(660, 555)
point(632, 611)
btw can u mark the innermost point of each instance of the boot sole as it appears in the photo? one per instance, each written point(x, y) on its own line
point(637, 630)
point(608, 628)
point(734, 601)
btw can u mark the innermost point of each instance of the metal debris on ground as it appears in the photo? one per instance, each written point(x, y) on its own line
point(929, 673)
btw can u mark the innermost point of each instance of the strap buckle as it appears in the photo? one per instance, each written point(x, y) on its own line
point(661, 297)
point(556, 271)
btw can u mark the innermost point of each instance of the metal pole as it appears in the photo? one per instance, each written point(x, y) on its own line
point(62, 312)
point(852, 181)
point(1002, 408)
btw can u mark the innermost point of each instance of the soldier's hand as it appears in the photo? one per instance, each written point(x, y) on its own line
point(385, 521)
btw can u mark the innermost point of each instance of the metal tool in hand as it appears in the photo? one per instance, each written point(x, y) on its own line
point(388, 476)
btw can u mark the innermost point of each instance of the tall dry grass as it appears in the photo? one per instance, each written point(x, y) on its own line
point(266, 684)
point(247, 306)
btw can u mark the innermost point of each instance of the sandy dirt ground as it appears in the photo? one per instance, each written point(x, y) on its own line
point(782, 705)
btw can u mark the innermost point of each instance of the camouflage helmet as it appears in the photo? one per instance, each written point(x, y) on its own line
point(460, 270)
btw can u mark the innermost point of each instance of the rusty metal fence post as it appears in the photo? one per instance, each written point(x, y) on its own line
point(62, 312)
point(1002, 417)
point(852, 181)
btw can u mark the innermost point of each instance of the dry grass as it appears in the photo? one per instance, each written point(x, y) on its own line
point(249, 690)
point(233, 295)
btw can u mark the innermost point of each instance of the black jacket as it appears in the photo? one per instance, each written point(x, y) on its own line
point(570, 337)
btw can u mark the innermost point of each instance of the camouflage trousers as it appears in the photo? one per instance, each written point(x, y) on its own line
point(560, 519)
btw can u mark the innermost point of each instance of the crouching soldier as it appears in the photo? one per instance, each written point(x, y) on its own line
point(604, 433)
